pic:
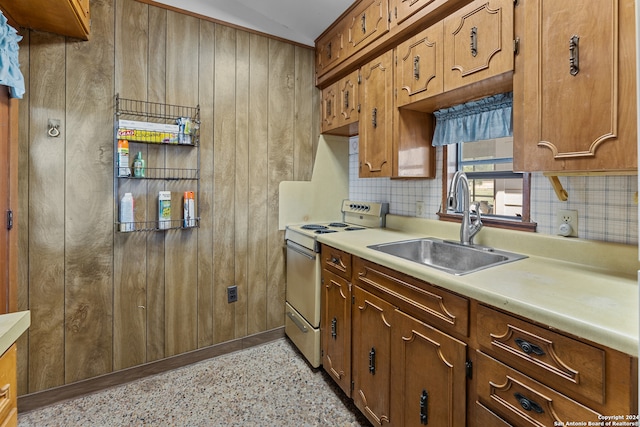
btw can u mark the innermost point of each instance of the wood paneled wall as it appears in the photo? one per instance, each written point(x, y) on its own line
point(102, 301)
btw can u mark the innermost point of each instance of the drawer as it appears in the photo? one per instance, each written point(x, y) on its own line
point(486, 418)
point(336, 261)
point(522, 400)
point(566, 364)
point(435, 306)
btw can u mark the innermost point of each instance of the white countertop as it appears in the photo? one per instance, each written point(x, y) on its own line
point(592, 292)
point(12, 325)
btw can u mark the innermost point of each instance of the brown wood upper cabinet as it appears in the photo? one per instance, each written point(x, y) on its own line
point(330, 48)
point(65, 17)
point(341, 105)
point(478, 42)
point(366, 23)
point(419, 69)
point(376, 117)
point(577, 72)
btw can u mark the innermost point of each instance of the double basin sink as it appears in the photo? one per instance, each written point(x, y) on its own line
point(448, 256)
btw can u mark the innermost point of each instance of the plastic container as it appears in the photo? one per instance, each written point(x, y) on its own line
point(127, 213)
point(164, 210)
point(122, 158)
point(138, 166)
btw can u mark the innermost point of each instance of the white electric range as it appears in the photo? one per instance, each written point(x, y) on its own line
point(302, 324)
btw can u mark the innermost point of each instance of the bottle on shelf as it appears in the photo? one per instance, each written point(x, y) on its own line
point(122, 158)
point(127, 213)
point(164, 210)
point(138, 166)
point(189, 209)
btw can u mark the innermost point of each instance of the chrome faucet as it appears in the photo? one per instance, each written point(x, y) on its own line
point(458, 201)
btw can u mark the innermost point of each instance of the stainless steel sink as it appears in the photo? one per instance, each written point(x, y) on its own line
point(448, 256)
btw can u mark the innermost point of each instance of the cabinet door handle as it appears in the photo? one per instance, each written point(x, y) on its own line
point(334, 328)
point(528, 347)
point(416, 67)
point(474, 41)
point(372, 361)
point(528, 405)
point(574, 66)
point(329, 50)
point(363, 22)
point(374, 117)
point(424, 408)
point(346, 100)
point(329, 107)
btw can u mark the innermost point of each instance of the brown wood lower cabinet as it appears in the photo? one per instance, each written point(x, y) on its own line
point(428, 381)
point(8, 388)
point(372, 319)
point(410, 353)
point(335, 325)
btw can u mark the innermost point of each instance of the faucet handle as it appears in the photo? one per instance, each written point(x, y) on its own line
point(475, 207)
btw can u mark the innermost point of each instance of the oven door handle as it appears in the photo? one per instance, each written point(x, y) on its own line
point(297, 322)
point(301, 250)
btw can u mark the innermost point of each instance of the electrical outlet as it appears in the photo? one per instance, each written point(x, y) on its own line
point(419, 209)
point(232, 294)
point(568, 223)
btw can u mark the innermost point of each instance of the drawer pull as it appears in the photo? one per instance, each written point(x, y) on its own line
point(424, 407)
point(529, 348)
point(4, 391)
point(528, 405)
point(335, 260)
point(372, 361)
point(334, 327)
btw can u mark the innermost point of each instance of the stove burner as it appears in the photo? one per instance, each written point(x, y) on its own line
point(323, 231)
point(353, 228)
point(314, 227)
point(338, 224)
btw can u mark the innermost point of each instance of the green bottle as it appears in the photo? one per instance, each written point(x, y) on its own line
point(138, 166)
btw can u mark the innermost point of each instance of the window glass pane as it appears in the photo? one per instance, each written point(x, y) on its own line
point(489, 149)
point(497, 196)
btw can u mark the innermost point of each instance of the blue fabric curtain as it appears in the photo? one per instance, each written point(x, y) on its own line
point(486, 118)
point(10, 74)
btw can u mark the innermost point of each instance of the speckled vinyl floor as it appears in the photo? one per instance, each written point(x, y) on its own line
point(267, 385)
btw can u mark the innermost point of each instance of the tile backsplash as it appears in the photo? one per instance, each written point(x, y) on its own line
point(606, 205)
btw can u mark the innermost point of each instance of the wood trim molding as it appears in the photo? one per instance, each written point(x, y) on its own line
point(39, 399)
point(218, 21)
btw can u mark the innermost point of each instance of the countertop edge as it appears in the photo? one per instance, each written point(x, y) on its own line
point(558, 316)
point(12, 326)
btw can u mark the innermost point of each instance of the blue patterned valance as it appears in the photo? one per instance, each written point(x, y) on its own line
point(10, 74)
point(486, 118)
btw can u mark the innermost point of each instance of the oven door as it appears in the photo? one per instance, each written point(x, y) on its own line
point(303, 282)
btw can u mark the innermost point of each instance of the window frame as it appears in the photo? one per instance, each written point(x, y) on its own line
point(524, 224)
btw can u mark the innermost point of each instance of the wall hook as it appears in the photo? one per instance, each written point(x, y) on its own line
point(53, 127)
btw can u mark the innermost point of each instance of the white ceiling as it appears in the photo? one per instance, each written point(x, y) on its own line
point(301, 21)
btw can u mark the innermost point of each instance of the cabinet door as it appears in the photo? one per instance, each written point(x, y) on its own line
point(376, 117)
point(478, 42)
point(340, 106)
point(330, 49)
point(366, 23)
point(420, 66)
point(328, 108)
point(336, 329)
point(579, 86)
point(8, 200)
point(372, 318)
point(428, 377)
